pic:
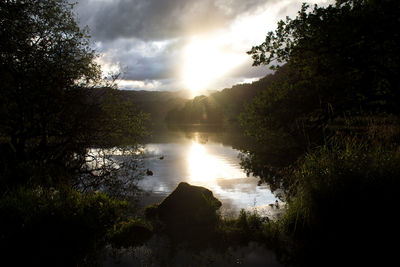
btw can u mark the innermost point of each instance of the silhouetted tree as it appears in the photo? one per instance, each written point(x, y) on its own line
point(345, 55)
point(339, 61)
point(50, 109)
point(337, 82)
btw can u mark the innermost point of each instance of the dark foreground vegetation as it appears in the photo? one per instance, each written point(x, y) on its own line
point(328, 132)
point(60, 202)
point(326, 124)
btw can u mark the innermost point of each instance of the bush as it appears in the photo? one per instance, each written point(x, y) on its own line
point(343, 203)
point(55, 226)
point(151, 211)
point(248, 226)
point(130, 233)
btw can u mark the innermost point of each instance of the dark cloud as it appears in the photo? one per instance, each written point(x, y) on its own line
point(159, 19)
point(141, 60)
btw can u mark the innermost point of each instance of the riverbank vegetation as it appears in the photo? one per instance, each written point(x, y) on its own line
point(328, 131)
point(326, 126)
point(60, 198)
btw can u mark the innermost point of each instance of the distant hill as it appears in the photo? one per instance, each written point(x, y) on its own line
point(156, 103)
point(175, 107)
point(219, 107)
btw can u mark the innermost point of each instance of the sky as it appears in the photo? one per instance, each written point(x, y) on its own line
point(193, 45)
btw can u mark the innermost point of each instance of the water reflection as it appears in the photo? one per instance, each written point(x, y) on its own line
point(206, 168)
point(202, 162)
point(159, 252)
point(199, 159)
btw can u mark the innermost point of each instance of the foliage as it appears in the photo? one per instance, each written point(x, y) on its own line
point(150, 212)
point(130, 233)
point(111, 154)
point(346, 69)
point(343, 199)
point(248, 226)
point(45, 58)
point(64, 133)
point(221, 107)
point(201, 109)
point(48, 225)
point(331, 73)
point(155, 103)
point(51, 108)
point(328, 132)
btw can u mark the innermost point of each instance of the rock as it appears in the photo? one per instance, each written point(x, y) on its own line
point(189, 206)
point(188, 215)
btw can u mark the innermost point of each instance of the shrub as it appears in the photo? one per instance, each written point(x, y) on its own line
point(343, 202)
point(248, 226)
point(55, 226)
point(130, 233)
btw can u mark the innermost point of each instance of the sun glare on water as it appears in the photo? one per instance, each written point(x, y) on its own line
point(205, 168)
point(206, 61)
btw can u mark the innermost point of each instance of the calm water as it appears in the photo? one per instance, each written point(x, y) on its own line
point(202, 159)
point(205, 159)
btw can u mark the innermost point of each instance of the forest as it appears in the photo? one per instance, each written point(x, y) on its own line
point(326, 125)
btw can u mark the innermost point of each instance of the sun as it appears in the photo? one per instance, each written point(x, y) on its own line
point(205, 61)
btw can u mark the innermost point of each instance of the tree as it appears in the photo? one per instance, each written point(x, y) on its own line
point(348, 51)
point(64, 133)
point(339, 64)
point(50, 108)
point(331, 63)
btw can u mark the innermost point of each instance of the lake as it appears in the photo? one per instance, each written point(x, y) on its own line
point(205, 159)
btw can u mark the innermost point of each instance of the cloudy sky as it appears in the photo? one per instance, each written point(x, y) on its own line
point(182, 44)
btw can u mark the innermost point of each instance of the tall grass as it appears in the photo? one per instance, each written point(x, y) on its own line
point(343, 202)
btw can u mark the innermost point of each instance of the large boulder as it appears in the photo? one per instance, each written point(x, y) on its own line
point(188, 208)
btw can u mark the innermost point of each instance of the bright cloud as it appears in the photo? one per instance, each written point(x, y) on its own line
point(180, 44)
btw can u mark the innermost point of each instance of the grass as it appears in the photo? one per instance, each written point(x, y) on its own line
point(342, 205)
point(56, 225)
